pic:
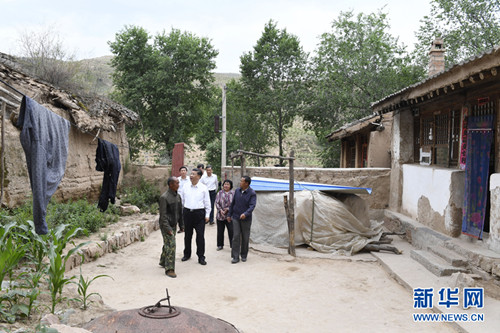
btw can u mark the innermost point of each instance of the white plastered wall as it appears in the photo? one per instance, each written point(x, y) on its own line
point(433, 196)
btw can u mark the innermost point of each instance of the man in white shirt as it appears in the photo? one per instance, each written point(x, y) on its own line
point(183, 180)
point(196, 203)
point(210, 180)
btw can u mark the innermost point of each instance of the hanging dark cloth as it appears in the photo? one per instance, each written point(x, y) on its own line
point(107, 160)
point(479, 138)
point(44, 138)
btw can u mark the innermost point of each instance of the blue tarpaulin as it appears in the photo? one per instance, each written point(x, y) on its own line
point(278, 185)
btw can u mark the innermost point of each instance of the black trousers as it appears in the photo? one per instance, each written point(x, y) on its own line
point(194, 220)
point(241, 237)
point(221, 225)
point(212, 202)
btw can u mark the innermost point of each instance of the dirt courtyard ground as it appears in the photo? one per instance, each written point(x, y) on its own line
point(271, 292)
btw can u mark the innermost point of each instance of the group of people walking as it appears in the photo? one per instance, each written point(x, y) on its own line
point(192, 202)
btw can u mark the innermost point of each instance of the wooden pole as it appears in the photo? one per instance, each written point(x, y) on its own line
point(2, 166)
point(243, 166)
point(291, 208)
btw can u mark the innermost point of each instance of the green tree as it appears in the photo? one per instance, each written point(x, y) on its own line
point(357, 63)
point(468, 27)
point(273, 77)
point(166, 82)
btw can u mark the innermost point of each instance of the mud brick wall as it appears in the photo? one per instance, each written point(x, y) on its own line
point(376, 178)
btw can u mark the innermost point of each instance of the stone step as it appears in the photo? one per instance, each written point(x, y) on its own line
point(450, 256)
point(434, 264)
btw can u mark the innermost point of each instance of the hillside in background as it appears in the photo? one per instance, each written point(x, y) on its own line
point(100, 70)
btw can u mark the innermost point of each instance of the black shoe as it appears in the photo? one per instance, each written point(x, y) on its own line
point(211, 223)
point(184, 258)
point(202, 262)
point(234, 261)
point(243, 259)
point(219, 248)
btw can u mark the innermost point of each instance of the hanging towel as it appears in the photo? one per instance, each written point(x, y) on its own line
point(44, 137)
point(107, 160)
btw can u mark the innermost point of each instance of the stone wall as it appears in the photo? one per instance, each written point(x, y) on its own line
point(376, 178)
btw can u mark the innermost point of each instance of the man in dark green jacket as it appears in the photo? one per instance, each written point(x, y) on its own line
point(170, 216)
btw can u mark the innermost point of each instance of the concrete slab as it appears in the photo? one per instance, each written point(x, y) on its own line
point(449, 256)
point(435, 264)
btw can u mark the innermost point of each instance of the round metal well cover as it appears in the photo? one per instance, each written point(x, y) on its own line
point(131, 321)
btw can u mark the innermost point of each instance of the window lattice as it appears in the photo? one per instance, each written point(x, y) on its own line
point(427, 131)
point(441, 129)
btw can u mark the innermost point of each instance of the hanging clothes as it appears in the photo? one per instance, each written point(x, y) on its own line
point(107, 160)
point(44, 138)
point(479, 138)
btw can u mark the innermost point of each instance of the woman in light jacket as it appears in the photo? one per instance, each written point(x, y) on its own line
point(222, 202)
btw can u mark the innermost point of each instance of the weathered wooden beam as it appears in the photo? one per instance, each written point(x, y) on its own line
point(9, 103)
point(11, 94)
point(291, 208)
point(263, 155)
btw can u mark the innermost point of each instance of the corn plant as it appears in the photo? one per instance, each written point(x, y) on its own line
point(36, 244)
point(11, 252)
point(57, 261)
point(83, 287)
point(31, 283)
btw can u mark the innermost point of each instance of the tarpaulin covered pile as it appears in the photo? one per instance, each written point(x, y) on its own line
point(322, 221)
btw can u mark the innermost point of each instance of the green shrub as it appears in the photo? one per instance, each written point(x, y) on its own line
point(145, 196)
point(79, 213)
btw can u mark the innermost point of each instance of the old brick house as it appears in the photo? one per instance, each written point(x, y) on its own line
point(445, 147)
point(91, 117)
point(365, 143)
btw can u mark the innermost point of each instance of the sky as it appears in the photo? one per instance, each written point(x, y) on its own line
point(85, 27)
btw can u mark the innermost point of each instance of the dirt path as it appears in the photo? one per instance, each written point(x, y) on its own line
point(268, 293)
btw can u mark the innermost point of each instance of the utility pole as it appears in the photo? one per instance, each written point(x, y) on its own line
point(223, 157)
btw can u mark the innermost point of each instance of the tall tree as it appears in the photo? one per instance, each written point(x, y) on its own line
point(167, 82)
point(272, 77)
point(356, 64)
point(468, 27)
